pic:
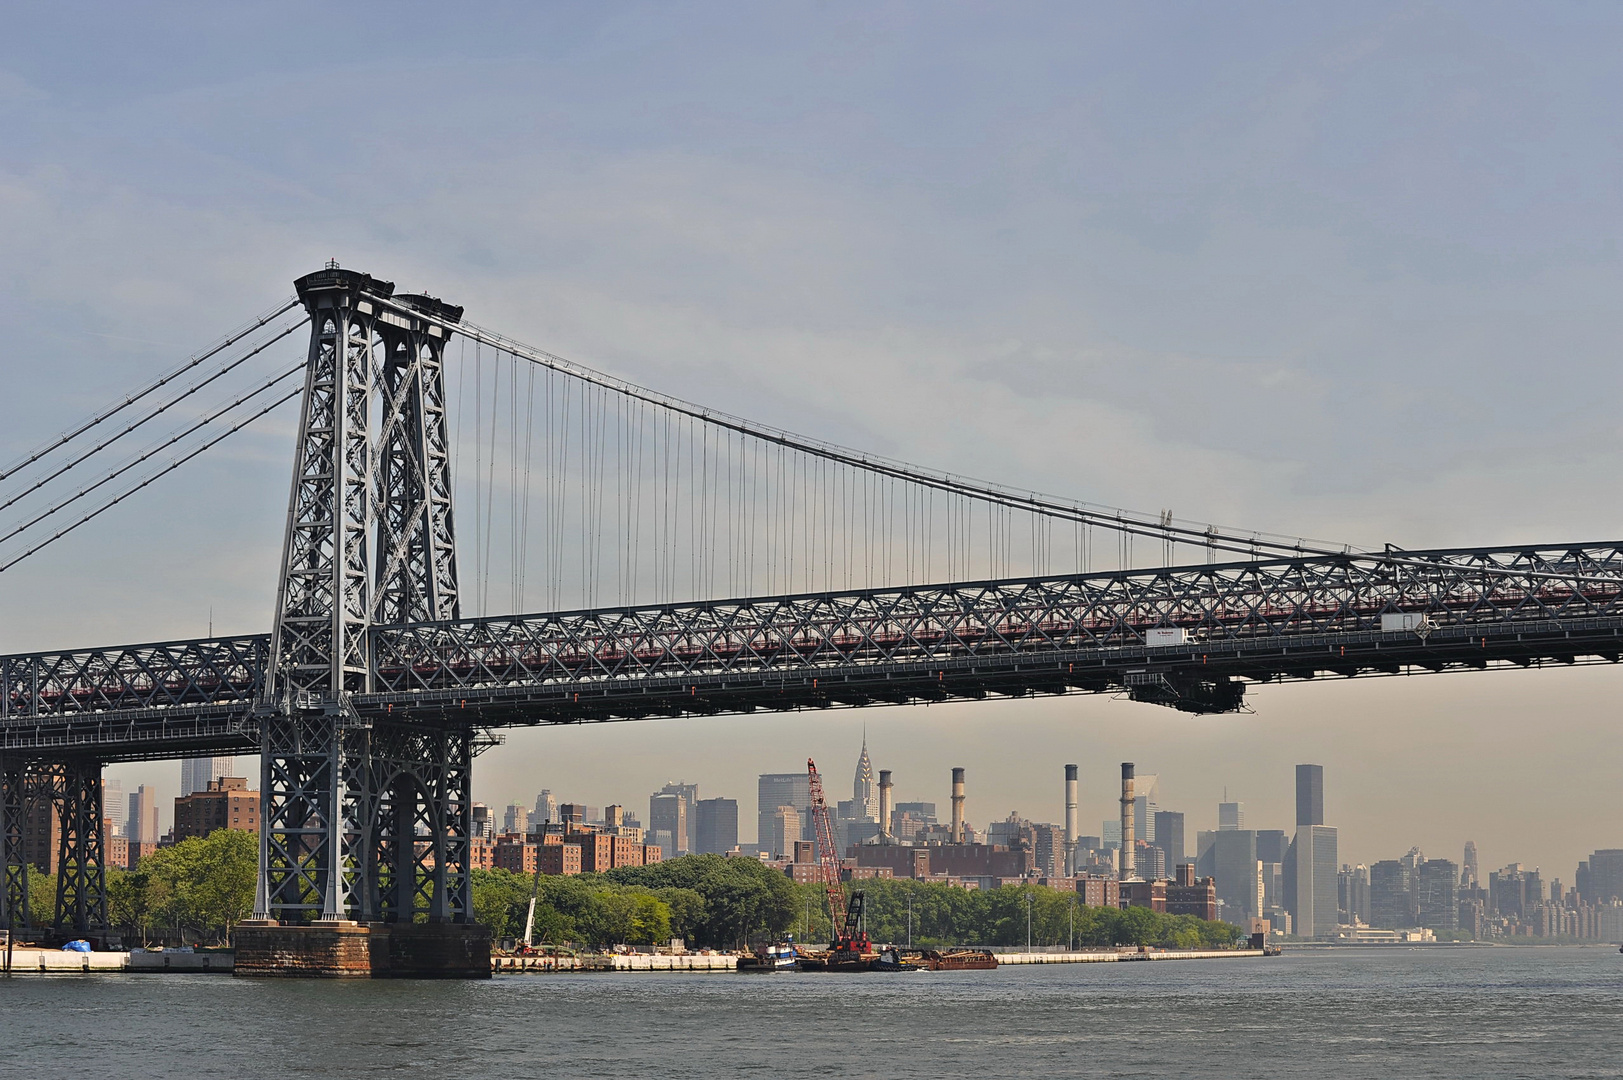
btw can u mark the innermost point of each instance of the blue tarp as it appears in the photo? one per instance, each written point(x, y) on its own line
point(77, 946)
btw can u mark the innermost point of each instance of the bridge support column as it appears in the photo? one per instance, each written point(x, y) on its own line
point(81, 871)
point(14, 913)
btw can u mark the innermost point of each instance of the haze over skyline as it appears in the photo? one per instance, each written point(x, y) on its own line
point(1349, 274)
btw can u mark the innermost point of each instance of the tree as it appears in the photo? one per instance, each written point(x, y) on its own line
point(206, 882)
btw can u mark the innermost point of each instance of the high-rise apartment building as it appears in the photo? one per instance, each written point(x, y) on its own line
point(226, 803)
point(780, 789)
point(717, 826)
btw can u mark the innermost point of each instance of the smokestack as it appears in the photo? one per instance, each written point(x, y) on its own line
point(1127, 821)
point(1070, 819)
point(885, 803)
point(957, 806)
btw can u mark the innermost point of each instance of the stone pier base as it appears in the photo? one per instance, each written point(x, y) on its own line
point(348, 950)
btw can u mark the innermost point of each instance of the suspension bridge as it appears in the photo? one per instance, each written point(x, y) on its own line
point(680, 561)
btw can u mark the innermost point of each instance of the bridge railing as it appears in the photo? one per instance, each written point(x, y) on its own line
point(213, 671)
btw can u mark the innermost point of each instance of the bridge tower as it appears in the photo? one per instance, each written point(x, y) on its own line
point(363, 820)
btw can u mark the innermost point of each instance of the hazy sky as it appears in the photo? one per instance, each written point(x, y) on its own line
point(1347, 270)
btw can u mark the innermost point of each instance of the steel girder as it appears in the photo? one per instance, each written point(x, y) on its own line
point(1250, 612)
point(163, 675)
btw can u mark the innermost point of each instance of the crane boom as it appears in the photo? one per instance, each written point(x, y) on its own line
point(828, 859)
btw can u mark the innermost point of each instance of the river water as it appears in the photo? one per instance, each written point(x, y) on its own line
point(1392, 1012)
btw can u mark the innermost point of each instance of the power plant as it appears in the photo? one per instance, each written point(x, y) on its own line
point(1071, 819)
point(957, 805)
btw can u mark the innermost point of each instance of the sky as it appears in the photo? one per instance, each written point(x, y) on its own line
point(1344, 271)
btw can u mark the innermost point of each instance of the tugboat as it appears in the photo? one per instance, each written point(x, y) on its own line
point(779, 956)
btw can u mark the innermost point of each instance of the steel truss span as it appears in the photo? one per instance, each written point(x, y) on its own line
point(1239, 623)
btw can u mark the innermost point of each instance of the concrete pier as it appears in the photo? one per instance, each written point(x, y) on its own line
point(349, 950)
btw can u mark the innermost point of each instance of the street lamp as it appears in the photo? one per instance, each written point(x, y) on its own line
point(1031, 900)
point(910, 915)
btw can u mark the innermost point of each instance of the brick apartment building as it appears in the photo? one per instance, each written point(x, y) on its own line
point(225, 804)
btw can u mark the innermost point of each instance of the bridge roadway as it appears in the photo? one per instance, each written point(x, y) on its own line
point(1240, 622)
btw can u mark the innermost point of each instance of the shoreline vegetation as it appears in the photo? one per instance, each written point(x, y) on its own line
point(199, 889)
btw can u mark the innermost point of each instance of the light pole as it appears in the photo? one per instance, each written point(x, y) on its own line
point(1072, 938)
point(1031, 900)
point(910, 916)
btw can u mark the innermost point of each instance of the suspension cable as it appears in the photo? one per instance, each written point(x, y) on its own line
point(153, 451)
point(154, 414)
point(171, 467)
point(225, 343)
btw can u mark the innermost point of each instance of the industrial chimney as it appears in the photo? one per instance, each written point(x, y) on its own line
point(1127, 869)
point(958, 806)
point(885, 804)
point(1070, 819)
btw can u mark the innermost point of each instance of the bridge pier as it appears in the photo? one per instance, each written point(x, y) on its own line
point(66, 794)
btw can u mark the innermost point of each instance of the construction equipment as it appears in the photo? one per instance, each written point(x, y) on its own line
point(845, 921)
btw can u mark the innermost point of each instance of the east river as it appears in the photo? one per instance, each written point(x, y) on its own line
point(1390, 1012)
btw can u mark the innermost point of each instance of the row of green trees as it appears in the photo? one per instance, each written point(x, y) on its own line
point(202, 887)
point(724, 903)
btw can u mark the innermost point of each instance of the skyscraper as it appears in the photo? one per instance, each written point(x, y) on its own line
point(546, 807)
point(1146, 801)
point(1230, 815)
point(1469, 878)
point(1238, 873)
point(1169, 837)
point(865, 789)
point(668, 821)
point(1313, 860)
point(116, 810)
point(141, 825)
point(772, 791)
point(195, 773)
point(717, 826)
point(1310, 795)
point(684, 840)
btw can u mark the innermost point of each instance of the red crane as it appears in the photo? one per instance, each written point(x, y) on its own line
point(845, 923)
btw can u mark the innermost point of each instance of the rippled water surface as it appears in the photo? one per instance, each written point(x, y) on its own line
point(1439, 1012)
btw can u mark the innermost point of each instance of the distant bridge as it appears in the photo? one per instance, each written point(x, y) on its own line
point(371, 695)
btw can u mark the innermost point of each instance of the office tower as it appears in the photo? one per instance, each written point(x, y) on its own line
point(1469, 878)
point(141, 825)
point(195, 773)
point(1352, 883)
point(1230, 815)
point(689, 794)
point(864, 789)
point(1310, 795)
point(1313, 861)
point(785, 830)
point(668, 818)
point(1169, 837)
point(717, 826)
point(113, 805)
point(1600, 877)
point(546, 807)
point(1514, 891)
point(1437, 895)
point(1146, 801)
point(1238, 873)
point(1391, 894)
point(516, 819)
point(780, 789)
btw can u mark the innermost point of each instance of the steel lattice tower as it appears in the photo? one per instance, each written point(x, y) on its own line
point(363, 819)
